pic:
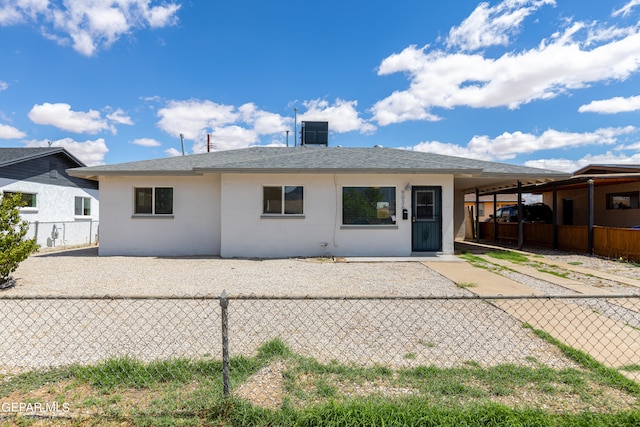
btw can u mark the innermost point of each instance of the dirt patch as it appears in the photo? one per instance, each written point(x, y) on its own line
point(264, 388)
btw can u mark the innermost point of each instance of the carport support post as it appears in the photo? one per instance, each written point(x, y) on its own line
point(224, 304)
point(495, 219)
point(554, 243)
point(477, 222)
point(520, 223)
point(591, 219)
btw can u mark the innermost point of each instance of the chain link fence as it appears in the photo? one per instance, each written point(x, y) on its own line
point(173, 337)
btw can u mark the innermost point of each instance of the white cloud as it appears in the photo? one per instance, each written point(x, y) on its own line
point(3, 86)
point(626, 9)
point(90, 152)
point(263, 122)
point(61, 116)
point(120, 117)
point(229, 138)
point(172, 152)
point(89, 25)
point(342, 116)
point(9, 132)
point(449, 150)
point(237, 127)
point(508, 145)
point(193, 118)
point(568, 60)
point(490, 26)
point(146, 142)
point(573, 165)
point(612, 106)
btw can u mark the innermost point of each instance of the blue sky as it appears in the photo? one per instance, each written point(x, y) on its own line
point(544, 83)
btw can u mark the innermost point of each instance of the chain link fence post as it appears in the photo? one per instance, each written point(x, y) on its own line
point(224, 304)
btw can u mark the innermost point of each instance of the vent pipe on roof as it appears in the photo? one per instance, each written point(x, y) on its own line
point(182, 143)
point(295, 126)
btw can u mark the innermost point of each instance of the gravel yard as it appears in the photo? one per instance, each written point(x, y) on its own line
point(82, 272)
point(409, 332)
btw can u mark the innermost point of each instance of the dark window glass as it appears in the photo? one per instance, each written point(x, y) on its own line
point(628, 200)
point(143, 202)
point(272, 200)
point(83, 206)
point(424, 204)
point(293, 200)
point(28, 200)
point(368, 205)
point(164, 201)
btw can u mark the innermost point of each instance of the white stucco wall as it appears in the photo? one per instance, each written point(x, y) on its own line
point(55, 206)
point(193, 229)
point(246, 233)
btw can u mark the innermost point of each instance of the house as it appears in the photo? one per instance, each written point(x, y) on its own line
point(616, 196)
point(298, 201)
point(62, 210)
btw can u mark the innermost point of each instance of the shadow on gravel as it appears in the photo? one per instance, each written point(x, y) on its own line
point(81, 252)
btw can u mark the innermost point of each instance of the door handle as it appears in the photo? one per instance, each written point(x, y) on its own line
point(413, 219)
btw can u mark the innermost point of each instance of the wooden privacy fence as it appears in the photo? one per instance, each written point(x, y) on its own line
point(607, 241)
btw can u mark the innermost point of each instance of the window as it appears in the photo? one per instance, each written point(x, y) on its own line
point(368, 205)
point(629, 200)
point(425, 204)
point(283, 200)
point(83, 206)
point(480, 209)
point(153, 201)
point(28, 199)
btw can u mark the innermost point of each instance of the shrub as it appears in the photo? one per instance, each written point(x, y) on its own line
point(14, 248)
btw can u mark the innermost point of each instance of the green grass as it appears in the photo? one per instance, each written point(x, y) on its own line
point(564, 275)
point(465, 285)
point(509, 256)
point(189, 392)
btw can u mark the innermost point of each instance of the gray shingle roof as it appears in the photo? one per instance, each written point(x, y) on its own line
point(315, 160)
point(10, 156)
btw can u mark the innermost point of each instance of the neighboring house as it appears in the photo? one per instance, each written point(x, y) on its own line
point(616, 196)
point(298, 201)
point(61, 210)
point(485, 205)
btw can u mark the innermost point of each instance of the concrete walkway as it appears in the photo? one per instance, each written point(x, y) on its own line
point(610, 342)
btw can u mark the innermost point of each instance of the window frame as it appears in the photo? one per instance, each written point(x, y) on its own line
point(268, 213)
point(85, 205)
point(634, 200)
point(154, 202)
point(393, 208)
point(28, 206)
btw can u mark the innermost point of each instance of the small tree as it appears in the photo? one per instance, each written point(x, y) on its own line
point(14, 248)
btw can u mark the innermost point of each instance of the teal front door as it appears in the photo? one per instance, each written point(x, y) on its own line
point(426, 232)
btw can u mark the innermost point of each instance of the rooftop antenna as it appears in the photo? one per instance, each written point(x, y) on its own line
point(49, 143)
point(295, 126)
point(182, 143)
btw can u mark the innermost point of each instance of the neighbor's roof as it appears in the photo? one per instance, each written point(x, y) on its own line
point(607, 169)
point(11, 156)
point(319, 160)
